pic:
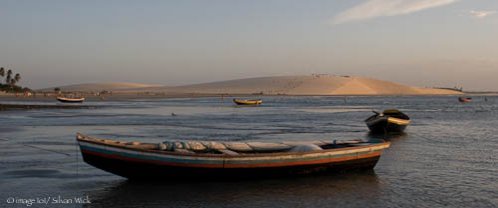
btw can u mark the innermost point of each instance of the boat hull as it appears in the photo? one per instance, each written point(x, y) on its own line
point(384, 125)
point(247, 102)
point(464, 99)
point(389, 121)
point(64, 100)
point(144, 171)
point(145, 165)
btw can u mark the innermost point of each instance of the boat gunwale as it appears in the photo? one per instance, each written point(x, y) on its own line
point(252, 100)
point(398, 121)
point(382, 145)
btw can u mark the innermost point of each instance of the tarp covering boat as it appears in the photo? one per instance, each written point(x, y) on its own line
point(225, 160)
point(244, 147)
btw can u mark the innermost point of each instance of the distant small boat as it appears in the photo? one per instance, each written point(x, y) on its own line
point(248, 102)
point(464, 99)
point(206, 160)
point(70, 100)
point(388, 121)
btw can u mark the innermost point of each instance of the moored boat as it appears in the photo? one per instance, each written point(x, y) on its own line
point(388, 121)
point(199, 160)
point(464, 99)
point(70, 100)
point(248, 102)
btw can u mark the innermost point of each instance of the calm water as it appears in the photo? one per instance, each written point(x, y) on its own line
point(448, 157)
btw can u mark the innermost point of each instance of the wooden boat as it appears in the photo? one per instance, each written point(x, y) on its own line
point(248, 102)
point(70, 100)
point(196, 160)
point(464, 99)
point(388, 121)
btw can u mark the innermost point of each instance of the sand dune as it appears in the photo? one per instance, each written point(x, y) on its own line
point(307, 85)
point(278, 85)
point(97, 87)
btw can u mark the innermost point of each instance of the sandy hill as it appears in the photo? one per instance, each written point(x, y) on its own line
point(97, 87)
point(288, 85)
point(306, 85)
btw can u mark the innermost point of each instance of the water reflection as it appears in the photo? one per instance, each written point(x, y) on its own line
point(388, 137)
point(322, 191)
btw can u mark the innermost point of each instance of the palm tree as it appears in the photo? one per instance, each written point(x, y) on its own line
point(2, 72)
point(17, 77)
point(9, 76)
point(13, 82)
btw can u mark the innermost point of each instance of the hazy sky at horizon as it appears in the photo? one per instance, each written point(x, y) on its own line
point(415, 42)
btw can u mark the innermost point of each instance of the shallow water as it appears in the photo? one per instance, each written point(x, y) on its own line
point(447, 158)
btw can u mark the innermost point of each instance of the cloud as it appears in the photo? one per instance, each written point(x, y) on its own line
point(383, 8)
point(481, 14)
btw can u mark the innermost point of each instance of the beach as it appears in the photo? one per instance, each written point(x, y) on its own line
point(304, 85)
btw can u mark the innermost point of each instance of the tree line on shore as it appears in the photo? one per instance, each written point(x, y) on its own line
point(11, 81)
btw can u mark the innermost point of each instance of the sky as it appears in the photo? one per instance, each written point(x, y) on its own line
point(426, 43)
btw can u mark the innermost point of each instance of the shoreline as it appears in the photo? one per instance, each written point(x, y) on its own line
point(13, 102)
point(134, 96)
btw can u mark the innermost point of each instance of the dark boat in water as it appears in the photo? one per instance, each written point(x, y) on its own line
point(70, 100)
point(388, 121)
point(198, 160)
point(248, 102)
point(465, 99)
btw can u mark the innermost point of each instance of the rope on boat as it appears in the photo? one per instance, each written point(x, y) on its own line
point(62, 153)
